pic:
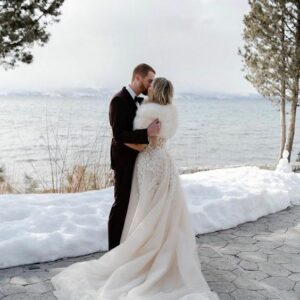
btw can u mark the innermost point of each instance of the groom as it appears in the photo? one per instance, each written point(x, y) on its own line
point(122, 111)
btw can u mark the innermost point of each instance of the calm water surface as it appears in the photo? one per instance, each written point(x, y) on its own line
point(212, 133)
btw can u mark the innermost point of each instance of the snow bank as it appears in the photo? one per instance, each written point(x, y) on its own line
point(45, 227)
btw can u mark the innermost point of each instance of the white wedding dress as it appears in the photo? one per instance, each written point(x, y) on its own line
point(157, 258)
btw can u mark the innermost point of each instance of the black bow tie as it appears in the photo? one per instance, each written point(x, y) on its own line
point(138, 99)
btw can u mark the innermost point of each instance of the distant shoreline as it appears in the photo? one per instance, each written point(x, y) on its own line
point(84, 92)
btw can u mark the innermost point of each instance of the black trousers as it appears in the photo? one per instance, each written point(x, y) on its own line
point(123, 179)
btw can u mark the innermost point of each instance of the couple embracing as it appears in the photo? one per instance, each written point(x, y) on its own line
point(152, 249)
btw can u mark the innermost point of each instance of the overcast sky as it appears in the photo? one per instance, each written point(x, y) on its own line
point(98, 42)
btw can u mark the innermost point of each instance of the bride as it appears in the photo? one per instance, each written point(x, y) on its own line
point(157, 258)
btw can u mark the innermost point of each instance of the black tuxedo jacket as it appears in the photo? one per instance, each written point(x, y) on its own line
point(122, 111)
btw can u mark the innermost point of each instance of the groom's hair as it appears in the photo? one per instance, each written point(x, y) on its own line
point(143, 70)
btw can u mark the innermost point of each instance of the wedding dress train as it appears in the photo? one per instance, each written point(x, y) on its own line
point(157, 258)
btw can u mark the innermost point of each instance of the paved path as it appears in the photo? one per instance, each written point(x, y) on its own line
point(256, 260)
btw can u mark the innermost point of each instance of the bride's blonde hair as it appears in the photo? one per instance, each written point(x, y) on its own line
point(162, 91)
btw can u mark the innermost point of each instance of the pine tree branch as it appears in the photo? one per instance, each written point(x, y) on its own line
point(22, 25)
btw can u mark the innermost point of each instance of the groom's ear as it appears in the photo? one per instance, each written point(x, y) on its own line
point(138, 77)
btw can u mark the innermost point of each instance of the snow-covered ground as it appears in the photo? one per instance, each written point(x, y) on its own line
point(45, 227)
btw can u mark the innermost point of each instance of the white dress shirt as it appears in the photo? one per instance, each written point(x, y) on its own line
point(132, 94)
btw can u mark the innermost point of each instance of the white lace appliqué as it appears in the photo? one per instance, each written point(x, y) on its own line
point(153, 164)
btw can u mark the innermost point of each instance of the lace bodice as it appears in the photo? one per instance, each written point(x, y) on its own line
point(153, 165)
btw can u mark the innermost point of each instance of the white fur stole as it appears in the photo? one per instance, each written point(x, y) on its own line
point(147, 112)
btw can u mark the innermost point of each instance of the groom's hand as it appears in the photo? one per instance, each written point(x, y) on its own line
point(154, 128)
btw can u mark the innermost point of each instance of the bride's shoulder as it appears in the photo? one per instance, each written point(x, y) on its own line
point(151, 109)
point(167, 115)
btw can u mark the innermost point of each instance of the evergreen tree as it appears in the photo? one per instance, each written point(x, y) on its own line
point(271, 57)
point(22, 24)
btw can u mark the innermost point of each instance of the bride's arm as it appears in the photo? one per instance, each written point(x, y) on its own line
point(141, 147)
point(138, 147)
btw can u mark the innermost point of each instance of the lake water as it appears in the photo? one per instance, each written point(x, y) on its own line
point(39, 133)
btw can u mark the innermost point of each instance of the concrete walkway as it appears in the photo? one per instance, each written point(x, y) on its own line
point(256, 260)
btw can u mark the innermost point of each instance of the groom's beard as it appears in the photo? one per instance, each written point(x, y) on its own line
point(143, 89)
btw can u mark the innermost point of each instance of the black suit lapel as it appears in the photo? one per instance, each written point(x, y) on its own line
point(128, 97)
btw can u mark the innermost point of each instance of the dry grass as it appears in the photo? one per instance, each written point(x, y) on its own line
point(76, 172)
point(67, 170)
point(5, 186)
